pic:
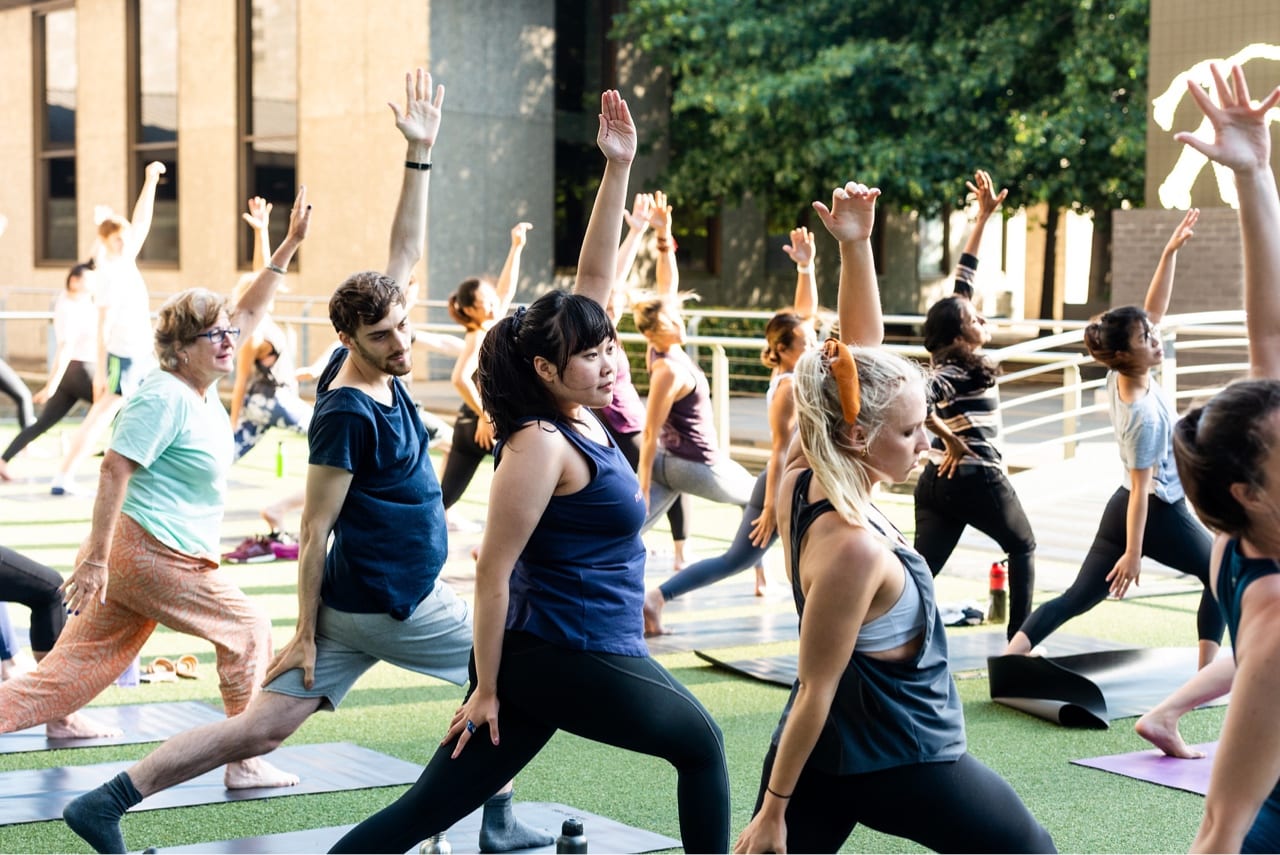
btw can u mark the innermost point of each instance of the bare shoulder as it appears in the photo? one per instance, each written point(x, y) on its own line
point(536, 438)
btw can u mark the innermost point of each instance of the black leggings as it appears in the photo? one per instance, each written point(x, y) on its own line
point(678, 515)
point(949, 806)
point(76, 385)
point(627, 701)
point(464, 457)
point(11, 384)
point(1172, 536)
point(981, 497)
point(35, 586)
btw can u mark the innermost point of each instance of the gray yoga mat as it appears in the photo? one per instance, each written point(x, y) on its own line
point(603, 834)
point(1091, 689)
point(140, 723)
point(34, 795)
point(967, 651)
point(726, 632)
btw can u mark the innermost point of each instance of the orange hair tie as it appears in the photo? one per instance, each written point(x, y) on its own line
point(845, 370)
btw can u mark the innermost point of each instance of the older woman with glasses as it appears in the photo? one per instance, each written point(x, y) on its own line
point(151, 556)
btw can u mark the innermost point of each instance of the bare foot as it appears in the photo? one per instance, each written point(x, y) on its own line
point(256, 772)
point(761, 581)
point(76, 726)
point(653, 605)
point(475, 553)
point(1162, 732)
point(273, 518)
point(4, 472)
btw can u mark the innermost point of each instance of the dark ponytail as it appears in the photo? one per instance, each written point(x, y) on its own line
point(942, 326)
point(556, 326)
point(1107, 336)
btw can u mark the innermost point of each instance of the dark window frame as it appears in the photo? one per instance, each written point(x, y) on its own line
point(45, 152)
point(142, 152)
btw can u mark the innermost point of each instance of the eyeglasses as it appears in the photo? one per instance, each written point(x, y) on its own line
point(216, 336)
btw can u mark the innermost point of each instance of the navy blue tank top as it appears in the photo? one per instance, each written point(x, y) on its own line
point(579, 582)
point(884, 714)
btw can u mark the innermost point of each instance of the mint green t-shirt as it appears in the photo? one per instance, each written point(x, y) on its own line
point(183, 447)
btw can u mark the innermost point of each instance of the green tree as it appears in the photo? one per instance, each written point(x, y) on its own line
point(786, 100)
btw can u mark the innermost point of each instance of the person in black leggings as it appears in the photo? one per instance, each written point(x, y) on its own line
point(11, 384)
point(559, 640)
point(75, 324)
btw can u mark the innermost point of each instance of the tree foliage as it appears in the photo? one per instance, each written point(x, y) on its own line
point(789, 99)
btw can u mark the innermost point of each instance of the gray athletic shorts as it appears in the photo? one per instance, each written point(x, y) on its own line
point(435, 640)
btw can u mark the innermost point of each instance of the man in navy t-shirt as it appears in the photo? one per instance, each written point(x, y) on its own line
point(374, 595)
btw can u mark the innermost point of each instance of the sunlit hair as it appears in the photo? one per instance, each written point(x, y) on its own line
point(111, 226)
point(1226, 442)
point(647, 308)
point(556, 326)
point(1107, 336)
point(825, 434)
point(181, 318)
point(464, 299)
point(363, 299)
point(780, 334)
point(943, 324)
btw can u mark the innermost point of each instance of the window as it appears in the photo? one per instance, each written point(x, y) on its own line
point(268, 112)
point(153, 87)
point(56, 76)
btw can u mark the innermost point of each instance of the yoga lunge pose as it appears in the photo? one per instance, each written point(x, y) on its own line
point(558, 635)
point(124, 325)
point(11, 385)
point(1228, 454)
point(374, 595)
point(1148, 516)
point(75, 328)
point(625, 414)
point(477, 305)
point(788, 334)
point(150, 557)
point(679, 452)
point(264, 395)
point(969, 485)
point(874, 722)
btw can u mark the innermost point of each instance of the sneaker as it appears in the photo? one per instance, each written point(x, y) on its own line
point(284, 546)
point(252, 550)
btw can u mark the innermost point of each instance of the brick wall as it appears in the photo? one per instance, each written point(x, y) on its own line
point(1209, 271)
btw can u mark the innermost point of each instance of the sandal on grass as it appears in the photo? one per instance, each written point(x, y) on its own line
point(161, 670)
point(187, 667)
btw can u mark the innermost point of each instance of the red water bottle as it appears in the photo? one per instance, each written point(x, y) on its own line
point(997, 610)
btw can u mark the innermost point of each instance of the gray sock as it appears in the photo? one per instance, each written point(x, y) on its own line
point(500, 831)
point(95, 816)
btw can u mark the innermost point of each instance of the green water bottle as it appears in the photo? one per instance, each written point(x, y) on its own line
point(280, 459)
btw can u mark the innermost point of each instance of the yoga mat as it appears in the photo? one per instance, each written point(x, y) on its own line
point(967, 651)
point(726, 632)
point(33, 795)
point(140, 723)
point(603, 834)
point(1158, 768)
point(1091, 689)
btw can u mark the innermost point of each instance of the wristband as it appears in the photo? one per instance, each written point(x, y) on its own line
point(771, 791)
point(804, 268)
point(421, 167)
point(275, 268)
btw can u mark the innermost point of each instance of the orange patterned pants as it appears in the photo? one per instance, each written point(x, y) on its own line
point(149, 584)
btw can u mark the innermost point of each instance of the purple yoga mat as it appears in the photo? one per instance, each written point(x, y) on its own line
point(1154, 766)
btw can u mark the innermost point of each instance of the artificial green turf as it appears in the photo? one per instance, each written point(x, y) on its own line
point(405, 714)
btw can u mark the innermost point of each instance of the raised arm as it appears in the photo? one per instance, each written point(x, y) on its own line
point(248, 311)
point(637, 224)
point(666, 271)
point(598, 261)
point(419, 121)
point(849, 220)
point(258, 217)
point(984, 191)
point(801, 250)
point(1242, 143)
point(509, 278)
point(143, 209)
point(1160, 291)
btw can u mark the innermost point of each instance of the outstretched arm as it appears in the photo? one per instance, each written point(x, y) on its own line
point(597, 263)
point(1160, 291)
point(259, 217)
point(509, 278)
point(801, 251)
point(637, 223)
point(850, 219)
point(143, 209)
point(666, 271)
point(248, 311)
point(419, 121)
point(984, 190)
point(1242, 143)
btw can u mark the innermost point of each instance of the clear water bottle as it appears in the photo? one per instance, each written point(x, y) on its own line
point(572, 838)
point(436, 844)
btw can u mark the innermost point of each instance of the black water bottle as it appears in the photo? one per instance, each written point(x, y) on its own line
point(572, 838)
